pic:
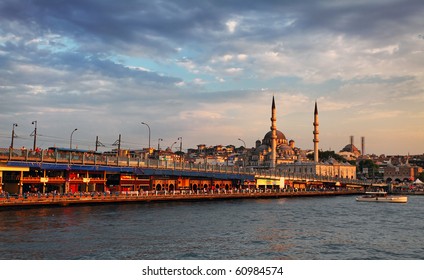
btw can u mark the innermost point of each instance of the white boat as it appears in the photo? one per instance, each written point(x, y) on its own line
point(382, 197)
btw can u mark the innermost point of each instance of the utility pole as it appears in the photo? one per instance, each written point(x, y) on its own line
point(13, 135)
point(35, 136)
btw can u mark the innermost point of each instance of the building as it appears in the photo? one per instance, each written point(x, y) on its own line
point(275, 151)
point(350, 151)
point(401, 172)
point(330, 168)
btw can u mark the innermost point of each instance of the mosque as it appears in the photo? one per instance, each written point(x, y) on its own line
point(275, 151)
point(285, 151)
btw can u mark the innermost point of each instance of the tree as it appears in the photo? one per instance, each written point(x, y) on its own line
point(370, 166)
point(421, 176)
point(326, 155)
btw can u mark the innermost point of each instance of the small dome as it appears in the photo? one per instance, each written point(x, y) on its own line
point(285, 148)
point(262, 148)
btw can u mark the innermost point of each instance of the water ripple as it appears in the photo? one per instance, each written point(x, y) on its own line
point(328, 228)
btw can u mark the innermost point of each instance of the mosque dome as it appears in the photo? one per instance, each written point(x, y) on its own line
point(280, 136)
point(281, 139)
point(350, 148)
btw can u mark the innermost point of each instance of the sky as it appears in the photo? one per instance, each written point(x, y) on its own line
point(206, 71)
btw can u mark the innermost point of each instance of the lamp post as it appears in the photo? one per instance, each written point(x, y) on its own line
point(35, 135)
point(173, 145)
point(160, 139)
point(181, 148)
point(13, 134)
point(244, 143)
point(244, 158)
point(149, 133)
point(70, 141)
point(181, 143)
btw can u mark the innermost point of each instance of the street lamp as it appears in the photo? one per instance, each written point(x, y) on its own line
point(244, 158)
point(181, 143)
point(173, 145)
point(149, 133)
point(70, 141)
point(35, 135)
point(13, 134)
point(160, 139)
point(181, 148)
point(243, 142)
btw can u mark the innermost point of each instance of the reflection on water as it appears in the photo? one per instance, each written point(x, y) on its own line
point(294, 228)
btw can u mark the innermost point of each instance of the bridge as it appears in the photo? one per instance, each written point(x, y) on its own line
point(90, 171)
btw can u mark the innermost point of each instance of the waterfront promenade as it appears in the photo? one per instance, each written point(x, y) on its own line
point(43, 200)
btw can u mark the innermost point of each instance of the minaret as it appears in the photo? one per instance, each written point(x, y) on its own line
point(273, 135)
point(316, 133)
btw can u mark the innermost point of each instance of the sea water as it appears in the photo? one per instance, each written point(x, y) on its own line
point(312, 228)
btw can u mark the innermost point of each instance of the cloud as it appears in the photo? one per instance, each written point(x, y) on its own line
point(200, 115)
point(233, 70)
point(384, 50)
point(231, 25)
point(62, 63)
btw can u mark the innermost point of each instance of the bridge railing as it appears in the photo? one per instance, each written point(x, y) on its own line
point(50, 156)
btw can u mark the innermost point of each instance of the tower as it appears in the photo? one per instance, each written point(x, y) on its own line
point(273, 135)
point(316, 133)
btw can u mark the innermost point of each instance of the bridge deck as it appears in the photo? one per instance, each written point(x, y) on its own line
point(91, 162)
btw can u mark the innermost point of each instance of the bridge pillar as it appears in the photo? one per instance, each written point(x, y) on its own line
point(20, 186)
